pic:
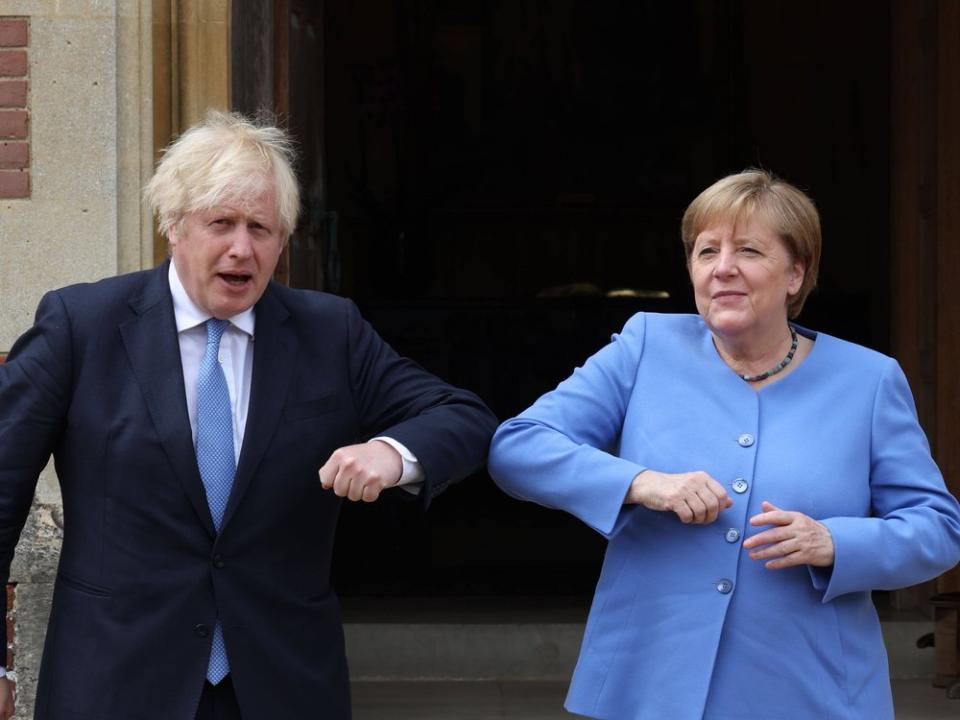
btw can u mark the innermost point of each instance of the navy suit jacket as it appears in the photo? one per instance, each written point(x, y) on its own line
point(97, 382)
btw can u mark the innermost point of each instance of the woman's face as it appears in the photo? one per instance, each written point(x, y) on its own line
point(742, 277)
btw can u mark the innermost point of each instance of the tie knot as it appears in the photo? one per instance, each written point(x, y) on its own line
point(215, 329)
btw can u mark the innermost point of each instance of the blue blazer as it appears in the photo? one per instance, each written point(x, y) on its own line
point(142, 575)
point(684, 624)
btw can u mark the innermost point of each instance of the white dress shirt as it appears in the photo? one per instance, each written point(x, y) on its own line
point(236, 358)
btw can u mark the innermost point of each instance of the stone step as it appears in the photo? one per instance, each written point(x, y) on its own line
point(531, 651)
point(543, 700)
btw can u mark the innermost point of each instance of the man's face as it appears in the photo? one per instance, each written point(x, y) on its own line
point(225, 256)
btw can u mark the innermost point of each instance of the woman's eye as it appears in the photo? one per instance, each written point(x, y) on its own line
point(706, 251)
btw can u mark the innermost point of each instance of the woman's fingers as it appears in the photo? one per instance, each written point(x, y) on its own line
point(694, 497)
point(683, 511)
point(790, 560)
point(777, 549)
point(719, 492)
point(774, 516)
point(794, 539)
point(697, 491)
point(711, 502)
point(768, 537)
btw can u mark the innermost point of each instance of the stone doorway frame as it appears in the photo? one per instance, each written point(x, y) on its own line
point(191, 70)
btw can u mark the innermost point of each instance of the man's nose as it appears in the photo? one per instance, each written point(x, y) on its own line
point(241, 245)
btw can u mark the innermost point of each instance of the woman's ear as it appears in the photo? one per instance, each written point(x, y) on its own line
point(795, 281)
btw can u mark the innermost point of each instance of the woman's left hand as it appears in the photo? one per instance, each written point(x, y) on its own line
point(794, 539)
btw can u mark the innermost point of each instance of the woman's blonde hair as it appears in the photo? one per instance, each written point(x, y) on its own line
point(226, 157)
point(787, 211)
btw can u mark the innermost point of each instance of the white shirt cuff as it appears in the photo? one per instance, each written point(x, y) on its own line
point(411, 479)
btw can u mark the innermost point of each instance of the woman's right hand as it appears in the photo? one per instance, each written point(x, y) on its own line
point(694, 497)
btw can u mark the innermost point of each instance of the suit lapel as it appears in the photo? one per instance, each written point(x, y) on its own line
point(274, 354)
point(153, 348)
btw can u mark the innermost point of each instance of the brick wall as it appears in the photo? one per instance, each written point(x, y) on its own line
point(14, 109)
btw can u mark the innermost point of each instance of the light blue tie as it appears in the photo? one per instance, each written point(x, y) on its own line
point(215, 457)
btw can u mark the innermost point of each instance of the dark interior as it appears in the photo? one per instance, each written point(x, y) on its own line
point(481, 174)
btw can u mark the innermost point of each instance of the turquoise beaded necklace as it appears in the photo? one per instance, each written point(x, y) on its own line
point(780, 365)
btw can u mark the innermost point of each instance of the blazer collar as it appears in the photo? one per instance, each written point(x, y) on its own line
point(274, 354)
point(150, 339)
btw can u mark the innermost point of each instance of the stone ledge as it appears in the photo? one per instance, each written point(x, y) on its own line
point(532, 651)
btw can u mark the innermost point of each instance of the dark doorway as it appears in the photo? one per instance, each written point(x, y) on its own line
point(499, 185)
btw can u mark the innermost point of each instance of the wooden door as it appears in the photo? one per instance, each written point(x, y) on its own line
point(277, 68)
point(925, 222)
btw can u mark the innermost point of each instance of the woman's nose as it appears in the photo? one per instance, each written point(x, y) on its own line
point(726, 263)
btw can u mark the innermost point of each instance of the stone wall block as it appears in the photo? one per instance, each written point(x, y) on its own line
point(33, 571)
point(32, 614)
point(39, 549)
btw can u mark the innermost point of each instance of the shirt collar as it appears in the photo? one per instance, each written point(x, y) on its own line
point(189, 315)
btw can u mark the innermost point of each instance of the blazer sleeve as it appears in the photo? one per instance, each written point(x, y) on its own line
point(560, 452)
point(448, 429)
point(914, 531)
point(34, 397)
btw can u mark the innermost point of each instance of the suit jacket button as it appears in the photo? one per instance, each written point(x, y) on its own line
point(745, 440)
point(724, 586)
point(201, 630)
point(740, 486)
point(732, 535)
point(218, 560)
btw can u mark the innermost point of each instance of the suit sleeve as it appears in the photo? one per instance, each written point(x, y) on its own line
point(448, 429)
point(560, 452)
point(34, 397)
point(914, 531)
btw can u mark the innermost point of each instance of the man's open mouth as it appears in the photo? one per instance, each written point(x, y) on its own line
point(235, 278)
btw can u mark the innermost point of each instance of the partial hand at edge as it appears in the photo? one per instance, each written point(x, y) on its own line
point(794, 539)
point(362, 472)
point(6, 699)
point(694, 497)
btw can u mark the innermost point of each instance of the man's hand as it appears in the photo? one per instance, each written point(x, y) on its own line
point(694, 497)
point(794, 539)
point(361, 472)
point(6, 699)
